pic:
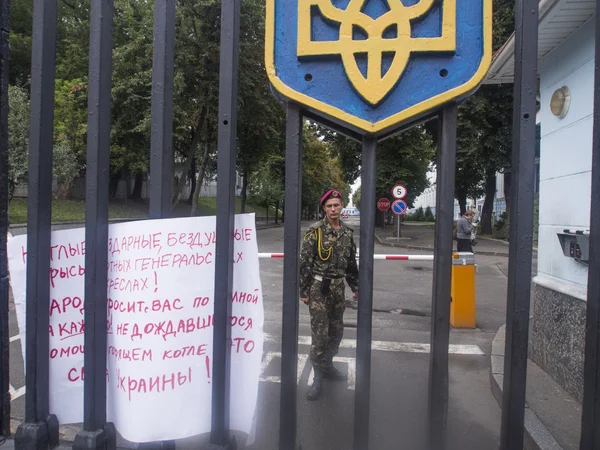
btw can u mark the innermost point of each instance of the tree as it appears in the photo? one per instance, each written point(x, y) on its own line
point(405, 159)
point(18, 137)
point(484, 131)
point(356, 198)
point(321, 171)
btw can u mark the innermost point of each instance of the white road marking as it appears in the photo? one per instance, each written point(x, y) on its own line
point(351, 371)
point(15, 338)
point(269, 356)
point(390, 346)
point(302, 361)
point(16, 393)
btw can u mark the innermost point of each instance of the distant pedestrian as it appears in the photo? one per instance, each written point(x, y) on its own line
point(464, 227)
point(328, 256)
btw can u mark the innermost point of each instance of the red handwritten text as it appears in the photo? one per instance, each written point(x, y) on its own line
point(60, 307)
point(138, 242)
point(157, 384)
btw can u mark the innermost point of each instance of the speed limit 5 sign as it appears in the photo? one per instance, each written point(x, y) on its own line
point(399, 191)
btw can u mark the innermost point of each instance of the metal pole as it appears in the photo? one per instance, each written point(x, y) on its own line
point(291, 275)
point(362, 399)
point(590, 421)
point(161, 142)
point(521, 225)
point(228, 87)
point(40, 429)
point(442, 276)
point(4, 200)
point(96, 433)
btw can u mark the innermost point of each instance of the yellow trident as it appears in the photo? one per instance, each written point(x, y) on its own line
point(376, 85)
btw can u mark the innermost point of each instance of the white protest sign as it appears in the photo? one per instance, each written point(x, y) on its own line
point(160, 325)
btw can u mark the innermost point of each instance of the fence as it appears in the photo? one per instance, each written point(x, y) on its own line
point(40, 428)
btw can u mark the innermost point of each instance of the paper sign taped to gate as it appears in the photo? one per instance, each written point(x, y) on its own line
point(159, 321)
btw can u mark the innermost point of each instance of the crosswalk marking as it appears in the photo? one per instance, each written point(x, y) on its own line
point(269, 356)
point(351, 371)
point(390, 346)
point(15, 393)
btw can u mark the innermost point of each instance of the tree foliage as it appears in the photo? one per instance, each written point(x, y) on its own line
point(18, 136)
point(484, 129)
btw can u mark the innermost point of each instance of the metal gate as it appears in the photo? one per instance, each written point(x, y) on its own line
point(40, 428)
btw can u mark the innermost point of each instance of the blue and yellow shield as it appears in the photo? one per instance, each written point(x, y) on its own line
point(374, 65)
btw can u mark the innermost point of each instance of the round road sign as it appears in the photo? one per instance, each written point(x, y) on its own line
point(399, 191)
point(383, 204)
point(399, 207)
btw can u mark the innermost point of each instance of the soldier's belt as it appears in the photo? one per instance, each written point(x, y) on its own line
point(333, 280)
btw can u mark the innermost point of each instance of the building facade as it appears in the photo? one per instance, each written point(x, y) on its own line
point(566, 93)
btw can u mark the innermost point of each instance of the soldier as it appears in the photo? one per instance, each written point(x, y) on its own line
point(328, 256)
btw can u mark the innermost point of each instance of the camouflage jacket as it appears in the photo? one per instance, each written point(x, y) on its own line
point(336, 257)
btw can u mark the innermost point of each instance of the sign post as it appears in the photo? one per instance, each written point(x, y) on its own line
point(399, 192)
point(383, 204)
point(399, 208)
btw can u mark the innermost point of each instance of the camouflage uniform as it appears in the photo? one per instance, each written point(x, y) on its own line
point(334, 260)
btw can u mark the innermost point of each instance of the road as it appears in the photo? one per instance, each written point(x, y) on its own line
point(400, 361)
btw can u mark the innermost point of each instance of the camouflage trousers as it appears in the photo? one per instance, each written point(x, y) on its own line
point(326, 321)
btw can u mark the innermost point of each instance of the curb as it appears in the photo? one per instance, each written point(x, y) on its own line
point(536, 436)
point(81, 223)
point(413, 247)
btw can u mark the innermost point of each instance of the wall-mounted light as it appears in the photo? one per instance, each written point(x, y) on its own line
point(560, 102)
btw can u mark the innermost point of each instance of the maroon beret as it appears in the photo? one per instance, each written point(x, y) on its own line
point(332, 193)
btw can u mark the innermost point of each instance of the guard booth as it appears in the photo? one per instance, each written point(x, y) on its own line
point(370, 107)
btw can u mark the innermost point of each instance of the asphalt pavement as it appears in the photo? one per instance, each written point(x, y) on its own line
point(400, 360)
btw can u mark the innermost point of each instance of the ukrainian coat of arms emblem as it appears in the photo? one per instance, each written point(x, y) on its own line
point(373, 65)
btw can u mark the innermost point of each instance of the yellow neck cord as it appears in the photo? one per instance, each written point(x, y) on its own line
point(322, 249)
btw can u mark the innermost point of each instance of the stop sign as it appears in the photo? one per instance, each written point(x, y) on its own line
point(383, 204)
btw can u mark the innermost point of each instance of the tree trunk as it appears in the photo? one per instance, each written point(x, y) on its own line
point(276, 211)
point(488, 204)
point(113, 184)
point(137, 187)
point(193, 178)
point(267, 208)
point(190, 154)
point(462, 202)
point(244, 189)
point(199, 181)
point(507, 190)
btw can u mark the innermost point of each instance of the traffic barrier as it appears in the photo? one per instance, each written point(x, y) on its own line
point(462, 306)
point(383, 257)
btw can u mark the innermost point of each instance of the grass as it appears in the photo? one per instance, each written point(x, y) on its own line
point(74, 210)
point(207, 206)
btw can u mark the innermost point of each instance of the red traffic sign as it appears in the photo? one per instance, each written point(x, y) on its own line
point(399, 207)
point(399, 191)
point(383, 204)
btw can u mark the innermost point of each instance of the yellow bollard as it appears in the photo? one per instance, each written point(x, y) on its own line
point(462, 306)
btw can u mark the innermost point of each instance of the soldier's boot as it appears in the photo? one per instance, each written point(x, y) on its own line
point(315, 391)
point(332, 373)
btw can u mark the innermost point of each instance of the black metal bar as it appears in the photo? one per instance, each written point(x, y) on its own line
point(161, 143)
point(4, 199)
point(590, 419)
point(442, 278)
point(40, 429)
point(362, 399)
point(228, 88)
point(291, 275)
point(521, 225)
point(94, 435)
